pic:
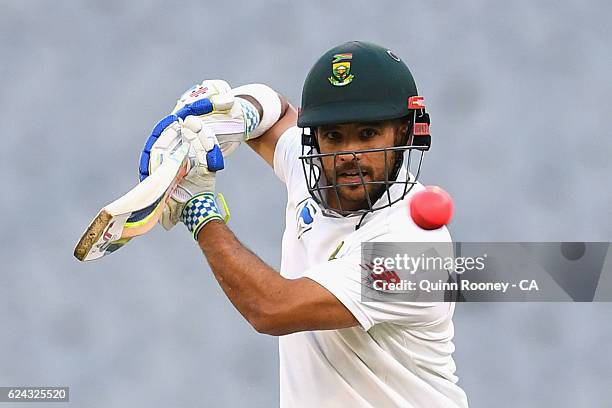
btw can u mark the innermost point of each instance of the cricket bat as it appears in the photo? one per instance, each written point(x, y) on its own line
point(136, 212)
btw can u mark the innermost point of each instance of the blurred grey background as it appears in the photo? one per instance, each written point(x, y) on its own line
point(520, 96)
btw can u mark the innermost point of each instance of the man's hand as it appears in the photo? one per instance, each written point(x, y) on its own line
point(211, 116)
point(205, 159)
point(231, 119)
point(198, 187)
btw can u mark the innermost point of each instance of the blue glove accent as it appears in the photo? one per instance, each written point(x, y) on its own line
point(183, 112)
point(149, 144)
point(163, 124)
point(200, 107)
point(143, 168)
point(214, 159)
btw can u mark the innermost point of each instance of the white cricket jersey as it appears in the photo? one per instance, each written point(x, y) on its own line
point(401, 353)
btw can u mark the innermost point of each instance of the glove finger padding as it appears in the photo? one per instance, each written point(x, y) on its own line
point(204, 145)
point(226, 119)
point(205, 158)
point(214, 123)
point(167, 141)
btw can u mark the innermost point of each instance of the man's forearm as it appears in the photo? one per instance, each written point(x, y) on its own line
point(247, 281)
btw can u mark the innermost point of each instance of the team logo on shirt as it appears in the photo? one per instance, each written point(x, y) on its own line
point(341, 69)
point(306, 212)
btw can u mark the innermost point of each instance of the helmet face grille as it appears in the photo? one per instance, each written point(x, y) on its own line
point(398, 180)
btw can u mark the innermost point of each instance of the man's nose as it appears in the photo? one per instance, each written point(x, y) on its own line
point(352, 148)
point(347, 157)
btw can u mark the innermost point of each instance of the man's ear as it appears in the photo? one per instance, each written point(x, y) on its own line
point(409, 133)
point(404, 132)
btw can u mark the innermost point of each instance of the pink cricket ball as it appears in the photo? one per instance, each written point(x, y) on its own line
point(432, 208)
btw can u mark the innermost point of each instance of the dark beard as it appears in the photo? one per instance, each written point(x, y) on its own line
point(375, 191)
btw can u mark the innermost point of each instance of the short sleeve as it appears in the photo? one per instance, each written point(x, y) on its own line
point(287, 166)
point(343, 278)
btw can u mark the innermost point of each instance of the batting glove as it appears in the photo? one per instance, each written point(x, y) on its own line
point(228, 122)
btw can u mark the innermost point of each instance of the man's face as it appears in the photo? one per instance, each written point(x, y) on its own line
point(344, 169)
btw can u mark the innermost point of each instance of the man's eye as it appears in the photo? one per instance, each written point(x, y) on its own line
point(368, 133)
point(332, 136)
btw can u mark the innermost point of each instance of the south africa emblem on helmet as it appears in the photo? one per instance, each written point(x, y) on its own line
point(341, 70)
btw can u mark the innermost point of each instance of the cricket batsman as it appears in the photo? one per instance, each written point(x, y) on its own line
point(346, 160)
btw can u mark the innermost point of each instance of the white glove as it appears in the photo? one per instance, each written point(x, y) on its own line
point(205, 158)
point(232, 119)
point(228, 120)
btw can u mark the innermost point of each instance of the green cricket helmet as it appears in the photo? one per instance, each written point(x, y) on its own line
point(361, 82)
point(356, 81)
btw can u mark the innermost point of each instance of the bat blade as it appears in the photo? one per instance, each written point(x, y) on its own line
point(134, 213)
